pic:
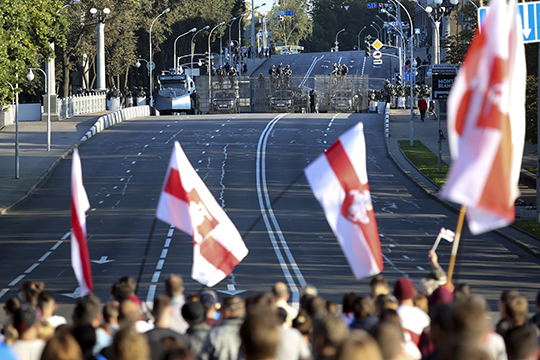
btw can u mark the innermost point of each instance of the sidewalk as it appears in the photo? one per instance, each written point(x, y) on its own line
point(427, 133)
point(35, 162)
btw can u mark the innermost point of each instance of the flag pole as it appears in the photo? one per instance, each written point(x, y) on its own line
point(146, 253)
point(455, 245)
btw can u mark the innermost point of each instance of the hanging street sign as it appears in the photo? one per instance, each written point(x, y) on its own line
point(530, 20)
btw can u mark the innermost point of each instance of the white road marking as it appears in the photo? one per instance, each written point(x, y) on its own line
point(29, 270)
point(170, 233)
point(159, 265)
point(63, 238)
point(3, 292)
point(46, 255)
point(17, 279)
point(151, 293)
point(167, 242)
point(155, 277)
point(55, 246)
point(222, 192)
point(267, 212)
point(420, 268)
point(164, 253)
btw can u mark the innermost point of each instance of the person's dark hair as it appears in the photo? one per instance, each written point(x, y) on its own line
point(130, 281)
point(62, 346)
point(347, 302)
point(389, 336)
point(85, 335)
point(316, 307)
point(174, 285)
point(332, 308)
point(507, 295)
point(235, 304)
point(332, 329)
point(45, 297)
point(390, 315)
point(281, 315)
point(178, 354)
point(363, 307)
point(87, 308)
point(303, 322)
point(469, 319)
point(521, 342)
point(161, 304)
point(12, 305)
point(110, 310)
point(305, 300)
point(122, 291)
point(260, 335)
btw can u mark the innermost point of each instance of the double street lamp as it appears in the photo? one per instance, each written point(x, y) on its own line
point(377, 29)
point(100, 16)
point(193, 38)
point(30, 77)
point(174, 47)
point(253, 8)
point(221, 40)
point(442, 9)
point(151, 64)
point(337, 42)
point(364, 28)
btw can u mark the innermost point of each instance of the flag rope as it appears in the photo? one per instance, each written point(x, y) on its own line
point(455, 245)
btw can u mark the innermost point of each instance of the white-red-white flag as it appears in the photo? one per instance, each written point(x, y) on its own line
point(486, 122)
point(187, 204)
point(338, 179)
point(80, 259)
point(447, 234)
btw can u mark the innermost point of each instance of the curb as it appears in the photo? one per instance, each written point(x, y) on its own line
point(531, 249)
point(101, 124)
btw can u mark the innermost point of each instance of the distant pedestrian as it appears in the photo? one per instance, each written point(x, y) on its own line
point(422, 106)
point(429, 58)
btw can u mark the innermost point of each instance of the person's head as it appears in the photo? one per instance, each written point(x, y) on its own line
point(332, 308)
point(379, 285)
point(305, 300)
point(45, 330)
point(129, 313)
point(421, 302)
point(521, 343)
point(280, 291)
point(110, 312)
point(47, 304)
point(347, 302)
point(383, 302)
point(210, 302)
point(316, 307)
point(88, 310)
point(11, 306)
point(440, 296)
point(260, 335)
point(85, 335)
point(404, 290)
point(32, 296)
point(390, 315)
point(24, 321)
point(516, 310)
point(30, 287)
point(162, 310)
point(174, 285)
point(462, 292)
point(122, 291)
point(233, 307)
point(441, 324)
point(359, 345)
point(62, 346)
point(469, 322)
point(328, 335)
point(310, 290)
point(390, 338)
point(303, 323)
point(178, 354)
point(363, 307)
point(506, 296)
point(462, 350)
point(194, 312)
point(130, 345)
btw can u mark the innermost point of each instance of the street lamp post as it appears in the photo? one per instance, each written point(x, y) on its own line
point(436, 24)
point(151, 64)
point(230, 38)
point(193, 38)
point(174, 47)
point(210, 60)
point(337, 42)
point(253, 8)
point(240, 36)
point(442, 9)
point(100, 16)
point(30, 77)
point(377, 29)
point(16, 128)
point(364, 28)
point(221, 41)
point(384, 25)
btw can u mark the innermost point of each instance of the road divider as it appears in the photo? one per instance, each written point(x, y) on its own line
point(116, 117)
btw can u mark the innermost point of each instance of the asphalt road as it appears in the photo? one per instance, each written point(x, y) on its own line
point(252, 163)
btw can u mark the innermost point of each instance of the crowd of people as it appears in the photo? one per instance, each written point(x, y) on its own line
point(401, 322)
point(280, 76)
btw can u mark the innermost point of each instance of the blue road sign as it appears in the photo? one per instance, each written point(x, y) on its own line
point(281, 12)
point(407, 77)
point(372, 5)
point(289, 12)
point(530, 20)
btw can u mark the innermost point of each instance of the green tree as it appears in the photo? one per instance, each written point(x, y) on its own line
point(27, 27)
point(292, 29)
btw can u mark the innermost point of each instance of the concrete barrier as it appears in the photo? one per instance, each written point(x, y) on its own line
point(114, 118)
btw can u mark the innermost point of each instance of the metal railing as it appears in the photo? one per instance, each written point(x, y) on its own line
point(81, 104)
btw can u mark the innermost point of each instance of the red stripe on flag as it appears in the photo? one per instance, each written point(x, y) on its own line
point(80, 236)
point(218, 255)
point(174, 186)
point(339, 161)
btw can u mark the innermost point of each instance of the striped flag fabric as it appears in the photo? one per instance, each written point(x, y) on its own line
point(80, 258)
point(486, 122)
point(447, 234)
point(186, 203)
point(338, 179)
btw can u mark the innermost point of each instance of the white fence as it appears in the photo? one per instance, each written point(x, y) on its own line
point(81, 104)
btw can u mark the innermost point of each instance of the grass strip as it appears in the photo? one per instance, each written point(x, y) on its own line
point(425, 160)
point(428, 163)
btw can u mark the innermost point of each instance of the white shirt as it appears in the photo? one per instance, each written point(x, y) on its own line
point(291, 312)
point(413, 320)
point(28, 349)
point(178, 323)
point(56, 320)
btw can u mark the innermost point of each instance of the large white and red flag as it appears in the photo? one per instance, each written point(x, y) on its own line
point(187, 204)
point(80, 259)
point(338, 179)
point(486, 122)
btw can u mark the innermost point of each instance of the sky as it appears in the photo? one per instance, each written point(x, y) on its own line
point(267, 7)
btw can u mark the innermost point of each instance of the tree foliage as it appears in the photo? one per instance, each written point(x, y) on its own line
point(292, 29)
point(456, 46)
point(27, 27)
